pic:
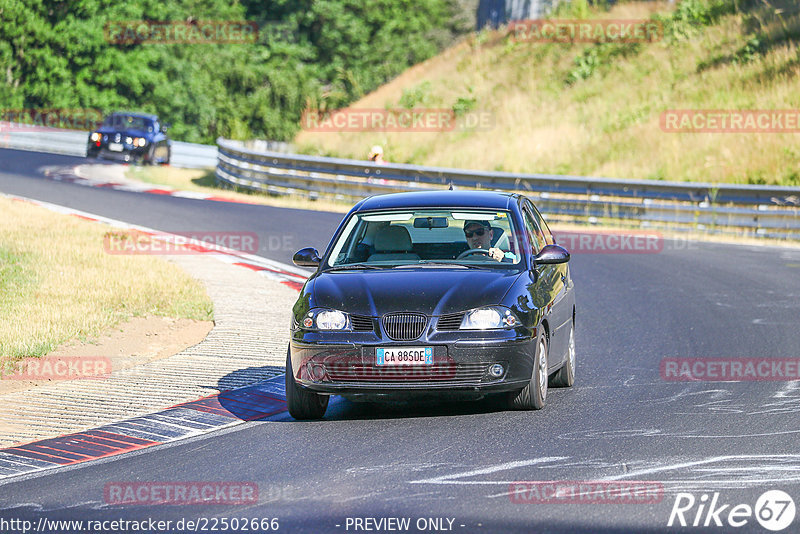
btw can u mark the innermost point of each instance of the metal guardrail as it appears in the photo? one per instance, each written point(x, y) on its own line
point(73, 143)
point(714, 208)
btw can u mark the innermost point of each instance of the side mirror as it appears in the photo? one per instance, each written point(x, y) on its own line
point(550, 255)
point(307, 257)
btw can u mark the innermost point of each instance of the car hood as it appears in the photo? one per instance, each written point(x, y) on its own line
point(429, 291)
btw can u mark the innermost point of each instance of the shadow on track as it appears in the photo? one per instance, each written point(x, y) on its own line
point(260, 399)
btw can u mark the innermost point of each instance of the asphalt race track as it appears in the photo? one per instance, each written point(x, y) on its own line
point(281, 231)
point(621, 421)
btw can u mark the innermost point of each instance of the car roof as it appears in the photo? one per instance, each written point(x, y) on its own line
point(134, 114)
point(439, 199)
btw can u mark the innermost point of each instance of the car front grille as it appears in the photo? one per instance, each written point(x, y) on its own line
point(441, 372)
point(404, 326)
point(361, 323)
point(451, 321)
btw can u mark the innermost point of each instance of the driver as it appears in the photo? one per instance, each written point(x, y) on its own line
point(479, 234)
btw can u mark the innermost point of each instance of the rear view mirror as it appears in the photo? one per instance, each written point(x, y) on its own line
point(431, 222)
point(307, 257)
point(551, 254)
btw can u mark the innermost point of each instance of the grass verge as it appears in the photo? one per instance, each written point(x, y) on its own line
point(58, 284)
point(594, 109)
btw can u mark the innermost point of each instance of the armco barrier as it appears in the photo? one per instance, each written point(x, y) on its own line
point(714, 208)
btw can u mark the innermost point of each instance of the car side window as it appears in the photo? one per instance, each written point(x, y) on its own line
point(535, 235)
point(548, 235)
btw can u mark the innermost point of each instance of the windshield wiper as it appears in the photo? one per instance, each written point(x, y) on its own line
point(348, 266)
point(445, 263)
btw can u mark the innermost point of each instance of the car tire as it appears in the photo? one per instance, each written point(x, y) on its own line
point(534, 395)
point(565, 377)
point(169, 157)
point(150, 157)
point(302, 404)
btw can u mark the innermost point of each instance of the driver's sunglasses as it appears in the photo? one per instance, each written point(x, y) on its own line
point(479, 232)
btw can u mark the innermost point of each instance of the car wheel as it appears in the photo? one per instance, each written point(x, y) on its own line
point(303, 404)
point(534, 395)
point(565, 377)
point(150, 157)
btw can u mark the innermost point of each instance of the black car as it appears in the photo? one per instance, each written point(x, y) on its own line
point(445, 293)
point(131, 137)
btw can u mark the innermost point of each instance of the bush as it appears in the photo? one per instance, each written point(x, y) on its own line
point(684, 22)
point(415, 96)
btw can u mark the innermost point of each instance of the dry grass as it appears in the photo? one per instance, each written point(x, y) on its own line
point(57, 284)
point(202, 181)
point(606, 125)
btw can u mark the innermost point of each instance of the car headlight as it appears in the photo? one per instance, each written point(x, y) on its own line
point(325, 320)
point(95, 137)
point(128, 140)
point(140, 141)
point(489, 318)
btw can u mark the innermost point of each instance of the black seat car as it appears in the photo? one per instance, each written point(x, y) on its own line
point(434, 293)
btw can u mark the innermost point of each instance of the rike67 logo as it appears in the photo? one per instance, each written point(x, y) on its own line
point(774, 510)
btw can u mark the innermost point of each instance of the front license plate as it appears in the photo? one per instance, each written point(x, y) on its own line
point(115, 147)
point(404, 356)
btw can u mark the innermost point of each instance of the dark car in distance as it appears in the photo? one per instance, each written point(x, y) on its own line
point(131, 137)
point(445, 293)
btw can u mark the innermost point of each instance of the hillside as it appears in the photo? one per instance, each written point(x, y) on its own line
point(595, 109)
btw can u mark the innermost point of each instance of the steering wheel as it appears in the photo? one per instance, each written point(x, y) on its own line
point(473, 251)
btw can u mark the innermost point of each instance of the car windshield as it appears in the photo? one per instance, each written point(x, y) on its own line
point(465, 237)
point(129, 122)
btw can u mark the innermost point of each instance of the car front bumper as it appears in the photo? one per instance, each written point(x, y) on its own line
point(461, 363)
point(127, 153)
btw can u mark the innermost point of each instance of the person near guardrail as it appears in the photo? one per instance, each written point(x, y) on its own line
point(376, 155)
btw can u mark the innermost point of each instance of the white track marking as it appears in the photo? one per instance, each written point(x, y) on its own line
point(450, 479)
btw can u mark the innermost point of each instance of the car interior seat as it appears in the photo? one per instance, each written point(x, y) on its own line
point(500, 239)
point(393, 243)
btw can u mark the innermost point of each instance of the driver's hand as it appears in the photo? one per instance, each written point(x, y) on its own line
point(496, 253)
